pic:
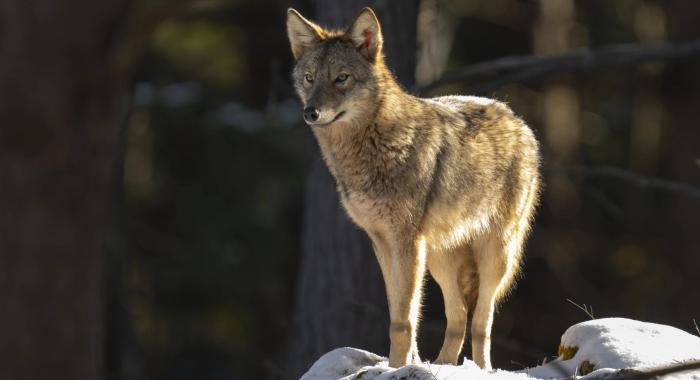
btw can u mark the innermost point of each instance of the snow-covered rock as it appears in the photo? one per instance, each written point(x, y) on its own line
point(350, 363)
point(598, 347)
point(616, 343)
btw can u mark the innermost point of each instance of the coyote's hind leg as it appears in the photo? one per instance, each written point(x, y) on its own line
point(493, 266)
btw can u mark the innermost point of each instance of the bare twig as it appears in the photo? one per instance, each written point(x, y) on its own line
point(523, 366)
point(521, 68)
point(585, 308)
point(630, 177)
point(649, 373)
point(696, 326)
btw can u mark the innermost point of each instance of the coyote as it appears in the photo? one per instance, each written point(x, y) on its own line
point(447, 184)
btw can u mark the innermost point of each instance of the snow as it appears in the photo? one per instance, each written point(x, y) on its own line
point(607, 344)
point(351, 363)
point(616, 343)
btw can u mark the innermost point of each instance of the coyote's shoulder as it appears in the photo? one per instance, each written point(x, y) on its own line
point(447, 184)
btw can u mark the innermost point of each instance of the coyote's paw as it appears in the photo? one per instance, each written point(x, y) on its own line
point(415, 358)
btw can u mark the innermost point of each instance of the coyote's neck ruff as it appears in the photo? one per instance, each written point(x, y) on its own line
point(369, 149)
point(446, 184)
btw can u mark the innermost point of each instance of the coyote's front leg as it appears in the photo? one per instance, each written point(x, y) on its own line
point(403, 265)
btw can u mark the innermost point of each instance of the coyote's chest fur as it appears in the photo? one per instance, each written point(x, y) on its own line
point(372, 166)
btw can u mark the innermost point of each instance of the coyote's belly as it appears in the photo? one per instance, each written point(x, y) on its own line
point(443, 225)
point(446, 227)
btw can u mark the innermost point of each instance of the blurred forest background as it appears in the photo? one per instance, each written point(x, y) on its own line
point(164, 213)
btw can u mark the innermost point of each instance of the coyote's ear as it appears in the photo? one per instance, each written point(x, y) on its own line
point(303, 34)
point(366, 34)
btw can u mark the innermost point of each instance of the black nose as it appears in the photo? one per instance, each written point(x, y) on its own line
point(311, 114)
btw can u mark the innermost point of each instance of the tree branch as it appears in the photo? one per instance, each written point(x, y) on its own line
point(630, 177)
point(521, 68)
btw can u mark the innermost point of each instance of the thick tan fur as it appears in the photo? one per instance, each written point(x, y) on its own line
point(447, 184)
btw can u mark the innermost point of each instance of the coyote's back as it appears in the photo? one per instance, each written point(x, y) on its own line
point(446, 184)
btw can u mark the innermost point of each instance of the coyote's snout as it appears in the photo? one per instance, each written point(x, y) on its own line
point(446, 184)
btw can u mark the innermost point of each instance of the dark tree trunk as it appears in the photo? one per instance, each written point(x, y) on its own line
point(58, 135)
point(341, 299)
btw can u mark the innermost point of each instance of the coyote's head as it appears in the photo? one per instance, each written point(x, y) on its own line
point(337, 73)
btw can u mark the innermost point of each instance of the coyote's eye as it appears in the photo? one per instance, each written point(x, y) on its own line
point(309, 78)
point(341, 78)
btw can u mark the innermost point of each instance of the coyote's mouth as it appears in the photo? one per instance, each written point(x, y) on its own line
point(338, 116)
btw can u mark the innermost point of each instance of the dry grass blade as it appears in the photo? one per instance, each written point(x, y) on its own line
point(585, 308)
